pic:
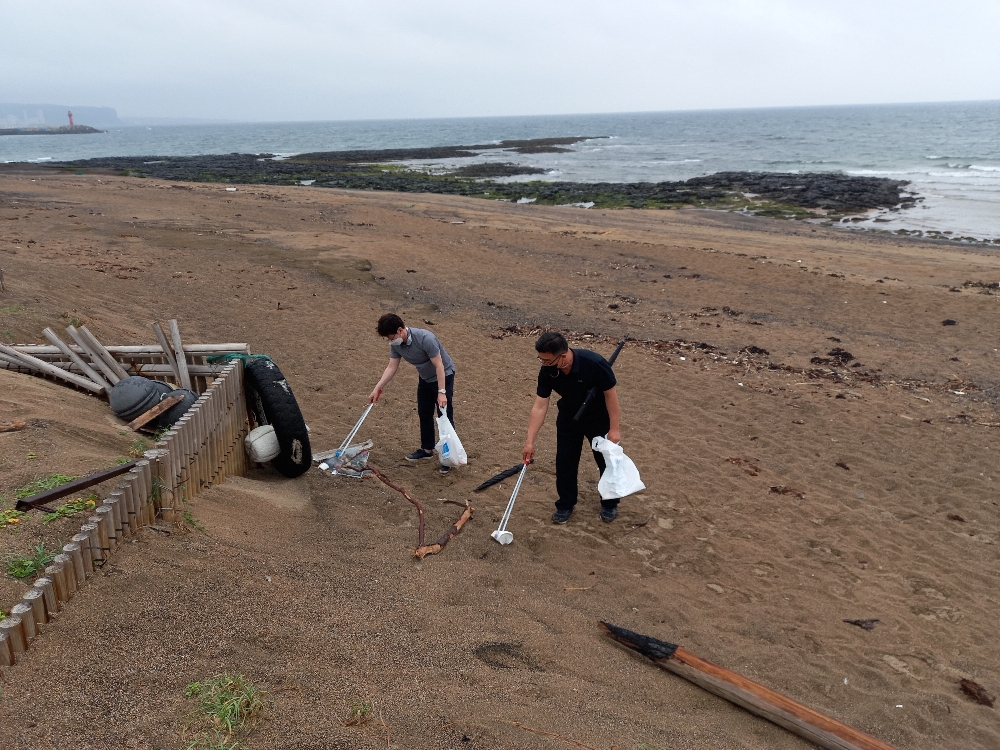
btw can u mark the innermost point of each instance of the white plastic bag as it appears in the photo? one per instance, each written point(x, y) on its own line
point(620, 477)
point(449, 447)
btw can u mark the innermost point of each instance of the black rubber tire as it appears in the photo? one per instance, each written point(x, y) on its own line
point(270, 399)
point(178, 410)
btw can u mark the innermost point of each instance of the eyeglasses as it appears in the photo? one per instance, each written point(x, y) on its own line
point(552, 362)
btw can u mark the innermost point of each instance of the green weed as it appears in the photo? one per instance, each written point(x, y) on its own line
point(22, 566)
point(194, 523)
point(361, 714)
point(10, 518)
point(122, 460)
point(41, 484)
point(137, 447)
point(71, 508)
point(229, 703)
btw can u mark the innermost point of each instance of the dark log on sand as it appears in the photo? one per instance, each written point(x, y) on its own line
point(432, 549)
point(757, 699)
point(501, 476)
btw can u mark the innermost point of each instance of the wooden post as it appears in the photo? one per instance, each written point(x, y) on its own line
point(185, 438)
point(47, 586)
point(175, 336)
point(109, 540)
point(146, 516)
point(36, 599)
point(161, 496)
point(34, 363)
point(103, 353)
point(6, 652)
point(55, 572)
point(114, 502)
point(86, 556)
point(72, 550)
point(68, 572)
point(130, 506)
point(15, 634)
point(76, 359)
point(94, 551)
point(168, 353)
point(27, 615)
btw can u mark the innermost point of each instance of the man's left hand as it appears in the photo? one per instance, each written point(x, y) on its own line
point(442, 401)
point(614, 435)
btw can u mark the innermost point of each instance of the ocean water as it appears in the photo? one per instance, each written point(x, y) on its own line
point(949, 152)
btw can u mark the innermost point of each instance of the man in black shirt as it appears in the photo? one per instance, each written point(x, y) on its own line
point(571, 373)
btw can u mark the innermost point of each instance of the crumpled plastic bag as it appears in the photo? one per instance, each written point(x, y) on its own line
point(449, 447)
point(620, 477)
point(350, 463)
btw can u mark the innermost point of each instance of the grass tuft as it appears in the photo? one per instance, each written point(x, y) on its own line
point(40, 484)
point(229, 703)
point(80, 505)
point(22, 566)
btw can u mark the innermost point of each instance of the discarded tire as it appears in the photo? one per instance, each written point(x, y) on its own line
point(270, 399)
point(135, 395)
point(178, 410)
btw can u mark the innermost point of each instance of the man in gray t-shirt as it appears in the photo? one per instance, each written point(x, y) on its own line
point(436, 383)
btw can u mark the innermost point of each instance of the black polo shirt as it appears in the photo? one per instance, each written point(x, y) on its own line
point(589, 369)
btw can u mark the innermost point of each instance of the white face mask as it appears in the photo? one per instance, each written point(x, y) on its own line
point(396, 342)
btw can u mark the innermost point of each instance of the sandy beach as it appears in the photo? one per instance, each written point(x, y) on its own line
point(817, 446)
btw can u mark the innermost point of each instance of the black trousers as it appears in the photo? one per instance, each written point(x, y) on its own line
point(427, 396)
point(569, 447)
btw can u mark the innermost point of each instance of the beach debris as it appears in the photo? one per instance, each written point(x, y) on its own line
point(769, 704)
point(746, 464)
point(843, 466)
point(868, 624)
point(798, 421)
point(976, 692)
point(783, 490)
point(12, 426)
point(949, 322)
point(637, 526)
point(496, 478)
point(347, 462)
point(956, 517)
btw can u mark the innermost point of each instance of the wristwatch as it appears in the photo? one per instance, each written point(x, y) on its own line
point(442, 390)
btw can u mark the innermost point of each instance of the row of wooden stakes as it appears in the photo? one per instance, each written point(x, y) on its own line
point(121, 516)
point(203, 448)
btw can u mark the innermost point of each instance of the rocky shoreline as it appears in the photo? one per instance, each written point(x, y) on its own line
point(826, 196)
point(63, 130)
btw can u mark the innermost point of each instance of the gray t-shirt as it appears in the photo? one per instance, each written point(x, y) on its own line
point(419, 347)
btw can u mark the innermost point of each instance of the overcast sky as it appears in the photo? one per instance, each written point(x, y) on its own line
point(265, 60)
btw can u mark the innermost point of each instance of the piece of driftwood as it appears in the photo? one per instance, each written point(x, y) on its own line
point(102, 352)
point(36, 364)
point(148, 416)
point(183, 378)
point(420, 509)
point(84, 345)
point(501, 476)
point(432, 549)
point(141, 350)
point(76, 485)
point(168, 353)
point(12, 426)
point(773, 706)
point(76, 359)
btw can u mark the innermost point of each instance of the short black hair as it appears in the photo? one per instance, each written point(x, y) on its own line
point(551, 342)
point(389, 323)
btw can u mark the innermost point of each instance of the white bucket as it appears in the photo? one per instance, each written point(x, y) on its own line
point(262, 444)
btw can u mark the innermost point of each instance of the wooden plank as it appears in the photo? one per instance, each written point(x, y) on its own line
point(102, 352)
point(171, 359)
point(72, 487)
point(175, 337)
point(801, 720)
point(103, 366)
point(37, 364)
point(76, 359)
point(147, 417)
point(143, 350)
point(146, 370)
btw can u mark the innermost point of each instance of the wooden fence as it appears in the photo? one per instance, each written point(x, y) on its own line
point(204, 447)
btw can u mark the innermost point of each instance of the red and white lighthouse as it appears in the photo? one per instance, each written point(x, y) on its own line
point(70, 113)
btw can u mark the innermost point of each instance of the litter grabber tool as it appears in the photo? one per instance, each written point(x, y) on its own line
point(593, 391)
point(501, 534)
point(353, 432)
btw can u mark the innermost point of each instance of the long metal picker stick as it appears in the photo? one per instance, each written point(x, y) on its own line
point(347, 441)
point(501, 534)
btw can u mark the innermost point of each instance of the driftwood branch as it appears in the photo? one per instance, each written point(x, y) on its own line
point(420, 509)
point(799, 719)
point(432, 549)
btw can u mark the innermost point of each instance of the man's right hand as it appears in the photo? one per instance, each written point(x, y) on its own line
point(528, 452)
point(373, 396)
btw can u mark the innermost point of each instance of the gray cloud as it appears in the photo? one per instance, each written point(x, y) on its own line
point(267, 61)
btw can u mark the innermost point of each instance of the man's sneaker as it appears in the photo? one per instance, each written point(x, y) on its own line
point(609, 514)
point(419, 455)
point(444, 469)
point(561, 516)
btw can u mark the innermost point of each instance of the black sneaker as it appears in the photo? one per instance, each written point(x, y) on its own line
point(419, 455)
point(561, 516)
point(443, 469)
point(609, 514)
